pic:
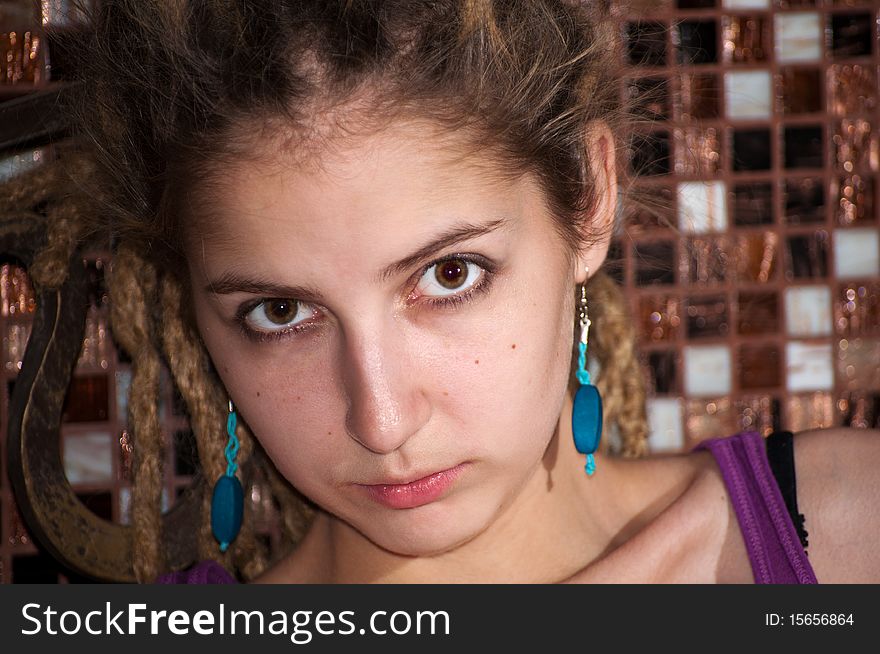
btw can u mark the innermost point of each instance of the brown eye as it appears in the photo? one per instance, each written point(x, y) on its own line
point(452, 273)
point(280, 311)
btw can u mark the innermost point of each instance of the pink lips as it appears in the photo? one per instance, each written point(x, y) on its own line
point(415, 493)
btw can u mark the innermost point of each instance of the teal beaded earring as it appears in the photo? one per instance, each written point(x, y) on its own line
point(227, 502)
point(586, 414)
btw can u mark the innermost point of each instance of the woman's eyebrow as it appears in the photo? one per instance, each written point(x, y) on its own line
point(453, 235)
point(234, 282)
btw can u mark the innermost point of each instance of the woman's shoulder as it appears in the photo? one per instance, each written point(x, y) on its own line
point(204, 572)
point(838, 491)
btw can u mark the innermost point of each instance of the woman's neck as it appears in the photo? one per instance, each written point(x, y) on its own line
point(559, 523)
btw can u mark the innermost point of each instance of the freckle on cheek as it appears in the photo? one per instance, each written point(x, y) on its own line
point(258, 393)
point(513, 347)
point(476, 360)
point(445, 393)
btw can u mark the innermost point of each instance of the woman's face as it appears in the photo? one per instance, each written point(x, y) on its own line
point(385, 315)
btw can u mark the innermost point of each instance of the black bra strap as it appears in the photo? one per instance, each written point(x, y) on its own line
point(780, 453)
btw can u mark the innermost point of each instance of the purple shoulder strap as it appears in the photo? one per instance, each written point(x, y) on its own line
point(206, 572)
point(771, 540)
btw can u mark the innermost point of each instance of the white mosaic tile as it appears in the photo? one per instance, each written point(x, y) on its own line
point(748, 94)
point(798, 36)
point(707, 370)
point(809, 366)
point(702, 207)
point(665, 424)
point(808, 311)
point(746, 4)
point(88, 458)
point(857, 252)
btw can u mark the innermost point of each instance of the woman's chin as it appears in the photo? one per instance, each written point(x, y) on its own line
point(431, 533)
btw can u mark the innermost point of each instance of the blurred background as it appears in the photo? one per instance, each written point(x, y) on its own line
point(755, 284)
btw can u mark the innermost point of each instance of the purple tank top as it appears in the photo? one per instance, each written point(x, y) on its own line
point(206, 572)
point(774, 550)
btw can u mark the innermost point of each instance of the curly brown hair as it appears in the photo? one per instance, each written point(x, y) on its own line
point(173, 90)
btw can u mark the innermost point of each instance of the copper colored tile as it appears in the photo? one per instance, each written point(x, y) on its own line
point(856, 146)
point(697, 151)
point(707, 316)
point(801, 90)
point(759, 367)
point(706, 260)
point(761, 413)
point(858, 363)
point(700, 96)
point(853, 197)
point(857, 309)
point(709, 419)
point(659, 318)
point(810, 411)
point(746, 39)
point(755, 257)
point(852, 89)
point(758, 312)
point(859, 409)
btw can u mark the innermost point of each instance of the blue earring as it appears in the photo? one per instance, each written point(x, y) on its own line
point(586, 414)
point(227, 502)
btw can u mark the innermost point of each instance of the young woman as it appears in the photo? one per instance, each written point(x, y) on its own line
point(383, 222)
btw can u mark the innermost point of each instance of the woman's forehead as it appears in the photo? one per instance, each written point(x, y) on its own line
point(404, 177)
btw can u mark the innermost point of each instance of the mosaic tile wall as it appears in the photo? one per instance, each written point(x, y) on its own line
point(755, 282)
point(756, 285)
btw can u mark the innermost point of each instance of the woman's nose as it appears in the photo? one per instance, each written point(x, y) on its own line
point(387, 403)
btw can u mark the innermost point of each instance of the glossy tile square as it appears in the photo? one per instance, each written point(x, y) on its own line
point(851, 35)
point(662, 368)
point(857, 252)
point(696, 4)
point(702, 207)
point(807, 255)
point(748, 94)
point(746, 39)
point(859, 409)
point(752, 150)
point(699, 96)
point(697, 151)
point(806, 412)
point(659, 318)
point(665, 424)
point(707, 370)
point(858, 363)
point(804, 201)
point(654, 262)
point(798, 36)
point(809, 366)
point(757, 313)
point(856, 146)
point(808, 311)
point(709, 418)
point(707, 316)
point(801, 90)
point(15, 340)
point(649, 97)
point(752, 204)
point(755, 257)
point(87, 399)
point(803, 146)
point(88, 458)
point(745, 4)
point(760, 413)
point(706, 260)
point(646, 43)
point(695, 41)
point(854, 195)
point(759, 366)
point(857, 309)
point(852, 89)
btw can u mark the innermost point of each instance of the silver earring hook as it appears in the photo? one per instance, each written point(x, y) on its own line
point(231, 408)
